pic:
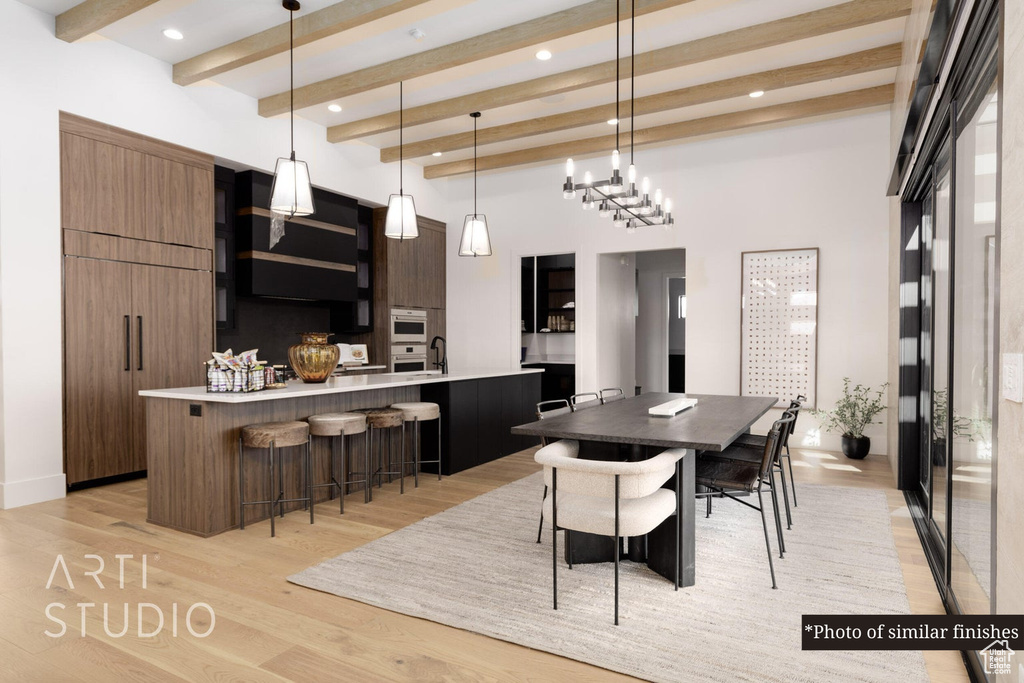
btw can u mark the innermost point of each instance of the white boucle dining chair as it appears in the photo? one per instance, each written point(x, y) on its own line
point(617, 499)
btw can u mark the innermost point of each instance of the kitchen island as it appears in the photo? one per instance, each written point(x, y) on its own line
point(192, 435)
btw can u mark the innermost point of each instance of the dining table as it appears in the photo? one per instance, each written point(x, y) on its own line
point(624, 430)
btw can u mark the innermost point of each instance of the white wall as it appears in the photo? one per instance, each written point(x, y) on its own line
point(652, 322)
point(105, 81)
point(819, 184)
point(616, 320)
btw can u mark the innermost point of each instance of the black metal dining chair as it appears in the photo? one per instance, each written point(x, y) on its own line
point(757, 440)
point(589, 399)
point(729, 476)
point(750, 450)
point(611, 395)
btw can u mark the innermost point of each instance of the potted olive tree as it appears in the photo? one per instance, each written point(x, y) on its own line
point(852, 413)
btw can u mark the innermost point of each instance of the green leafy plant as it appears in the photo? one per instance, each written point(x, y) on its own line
point(854, 411)
point(962, 426)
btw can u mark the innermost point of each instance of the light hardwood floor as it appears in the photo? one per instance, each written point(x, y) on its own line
point(269, 630)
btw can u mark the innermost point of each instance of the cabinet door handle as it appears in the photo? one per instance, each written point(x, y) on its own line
point(127, 343)
point(140, 342)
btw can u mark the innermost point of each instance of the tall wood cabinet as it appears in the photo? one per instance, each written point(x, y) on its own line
point(407, 274)
point(137, 219)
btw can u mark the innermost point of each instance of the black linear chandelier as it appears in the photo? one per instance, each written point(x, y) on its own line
point(627, 207)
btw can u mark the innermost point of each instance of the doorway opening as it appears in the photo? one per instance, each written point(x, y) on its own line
point(676, 334)
point(661, 321)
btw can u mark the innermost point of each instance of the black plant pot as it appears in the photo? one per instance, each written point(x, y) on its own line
point(856, 448)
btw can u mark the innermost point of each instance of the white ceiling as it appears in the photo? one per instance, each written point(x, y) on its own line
point(208, 24)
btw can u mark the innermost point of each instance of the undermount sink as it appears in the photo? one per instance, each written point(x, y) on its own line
point(425, 373)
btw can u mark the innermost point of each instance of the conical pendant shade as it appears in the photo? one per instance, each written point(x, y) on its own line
point(400, 222)
point(291, 193)
point(476, 240)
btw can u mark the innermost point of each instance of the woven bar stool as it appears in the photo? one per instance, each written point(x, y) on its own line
point(274, 435)
point(417, 412)
point(333, 425)
point(377, 419)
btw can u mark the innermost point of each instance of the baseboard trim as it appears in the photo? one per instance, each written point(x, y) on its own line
point(15, 494)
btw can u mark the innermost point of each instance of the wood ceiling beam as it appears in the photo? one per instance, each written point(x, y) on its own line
point(799, 27)
point(92, 15)
point(336, 18)
point(576, 19)
point(673, 132)
point(814, 72)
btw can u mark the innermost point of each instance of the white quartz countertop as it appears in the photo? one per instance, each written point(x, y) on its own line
point(335, 385)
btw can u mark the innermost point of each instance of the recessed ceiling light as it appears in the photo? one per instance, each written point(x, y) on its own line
point(173, 34)
point(334, 107)
point(757, 93)
point(544, 55)
point(436, 154)
point(613, 122)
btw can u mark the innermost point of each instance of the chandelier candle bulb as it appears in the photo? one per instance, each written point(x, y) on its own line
point(588, 195)
point(604, 210)
point(569, 189)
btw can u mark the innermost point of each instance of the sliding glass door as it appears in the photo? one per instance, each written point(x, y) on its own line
point(970, 410)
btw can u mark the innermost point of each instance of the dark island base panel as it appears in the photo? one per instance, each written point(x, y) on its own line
point(193, 460)
point(477, 417)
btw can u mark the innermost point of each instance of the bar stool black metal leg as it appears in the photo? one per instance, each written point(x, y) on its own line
point(416, 455)
point(344, 474)
point(540, 525)
point(241, 486)
point(309, 478)
point(280, 484)
point(330, 465)
point(273, 490)
point(401, 474)
point(368, 475)
point(439, 449)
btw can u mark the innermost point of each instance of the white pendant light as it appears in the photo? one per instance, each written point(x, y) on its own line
point(291, 194)
point(476, 239)
point(400, 222)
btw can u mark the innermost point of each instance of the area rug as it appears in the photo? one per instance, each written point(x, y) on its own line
point(477, 567)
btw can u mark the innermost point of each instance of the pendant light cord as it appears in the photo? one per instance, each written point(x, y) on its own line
point(401, 137)
point(617, 19)
point(632, 74)
point(474, 165)
point(291, 75)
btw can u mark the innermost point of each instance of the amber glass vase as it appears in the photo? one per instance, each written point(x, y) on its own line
point(314, 359)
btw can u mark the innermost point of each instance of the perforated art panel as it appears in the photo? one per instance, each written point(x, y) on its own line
point(779, 327)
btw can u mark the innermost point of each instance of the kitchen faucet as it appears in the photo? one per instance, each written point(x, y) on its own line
point(442, 362)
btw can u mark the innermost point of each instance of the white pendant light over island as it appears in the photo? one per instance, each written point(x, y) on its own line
point(476, 239)
point(291, 194)
point(400, 222)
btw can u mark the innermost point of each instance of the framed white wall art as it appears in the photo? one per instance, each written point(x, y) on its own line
point(779, 325)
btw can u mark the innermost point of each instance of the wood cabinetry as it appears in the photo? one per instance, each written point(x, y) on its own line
point(138, 287)
point(179, 203)
point(127, 327)
point(102, 187)
point(118, 183)
point(406, 274)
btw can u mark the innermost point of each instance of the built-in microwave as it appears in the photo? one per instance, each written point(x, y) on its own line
point(408, 357)
point(408, 326)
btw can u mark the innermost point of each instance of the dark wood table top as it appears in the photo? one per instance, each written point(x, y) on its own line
point(711, 425)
